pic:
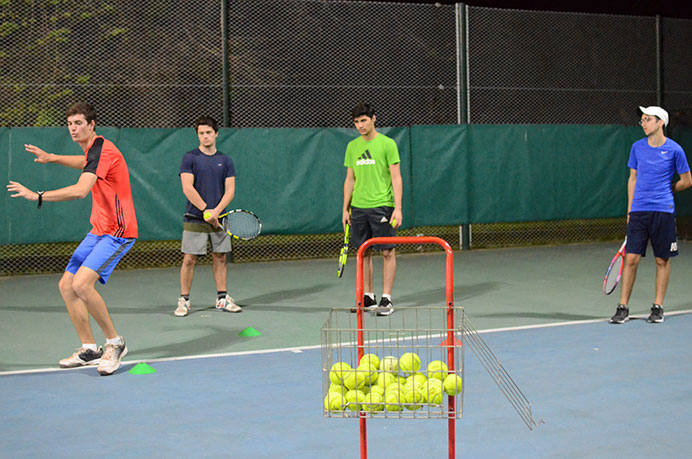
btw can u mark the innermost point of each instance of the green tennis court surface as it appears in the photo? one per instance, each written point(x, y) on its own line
point(287, 302)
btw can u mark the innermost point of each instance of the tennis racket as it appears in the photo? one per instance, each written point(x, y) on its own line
point(612, 276)
point(344, 252)
point(238, 223)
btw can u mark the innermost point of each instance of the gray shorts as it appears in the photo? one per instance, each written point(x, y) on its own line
point(196, 235)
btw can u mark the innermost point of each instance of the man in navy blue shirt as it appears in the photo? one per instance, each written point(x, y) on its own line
point(653, 162)
point(208, 180)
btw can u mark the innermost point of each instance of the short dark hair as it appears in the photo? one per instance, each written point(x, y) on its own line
point(82, 108)
point(207, 121)
point(363, 108)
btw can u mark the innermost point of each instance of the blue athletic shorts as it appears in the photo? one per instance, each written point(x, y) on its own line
point(659, 227)
point(369, 223)
point(99, 253)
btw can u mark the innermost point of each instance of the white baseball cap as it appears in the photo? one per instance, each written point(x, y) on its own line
point(655, 111)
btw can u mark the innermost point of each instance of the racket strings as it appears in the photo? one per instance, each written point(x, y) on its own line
point(243, 225)
point(613, 275)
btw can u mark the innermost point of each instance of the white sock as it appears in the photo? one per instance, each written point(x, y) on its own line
point(388, 296)
point(371, 295)
point(90, 346)
point(118, 341)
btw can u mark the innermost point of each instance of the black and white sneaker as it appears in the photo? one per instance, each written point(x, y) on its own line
point(368, 303)
point(82, 357)
point(622, 315)
point(386, 307)
point(656, 316)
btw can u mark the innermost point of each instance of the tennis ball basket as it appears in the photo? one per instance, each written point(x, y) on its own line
point(408, 365)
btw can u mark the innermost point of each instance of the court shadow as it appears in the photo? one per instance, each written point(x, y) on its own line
point(215, 339)
point(281, 295)
point(433, 297)
point(149, 309)
point(538, 315)
point(290, 308)
point(41, 309)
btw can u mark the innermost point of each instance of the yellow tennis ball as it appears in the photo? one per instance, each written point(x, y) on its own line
point(390, 364)
point(338, 388)
point(414, 398)
point(369, 373)
point(393, 222)
point(395, 387)
point(434, 397)
point(437, 369)
point(354, 379)
point(452, 384)
point(354, 398)
point(373, 402)
point(207, 215)
point(392, 401)
point(417, 379)
point(385, 379)
point(434, 385)
point(409, 363)
point(334, 402)
point(377, 390)
point(372, 359)
point(338, 372)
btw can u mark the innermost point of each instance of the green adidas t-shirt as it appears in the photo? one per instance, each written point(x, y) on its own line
point(370, 161)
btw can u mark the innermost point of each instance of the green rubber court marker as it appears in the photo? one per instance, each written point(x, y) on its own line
point(249, 331)
point(142, 369)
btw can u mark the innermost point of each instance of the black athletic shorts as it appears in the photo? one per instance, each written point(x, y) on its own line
point(659, 227)
point(369, 223)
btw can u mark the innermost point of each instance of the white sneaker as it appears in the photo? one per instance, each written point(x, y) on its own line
point(82, 357)
point(110, 361)
point(227, 304)
point(183, 308)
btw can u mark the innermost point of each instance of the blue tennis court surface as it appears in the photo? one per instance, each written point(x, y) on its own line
point(603, 391)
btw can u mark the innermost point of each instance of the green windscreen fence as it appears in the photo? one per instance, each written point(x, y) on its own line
point(293, 178)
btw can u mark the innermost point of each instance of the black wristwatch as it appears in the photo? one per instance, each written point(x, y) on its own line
point(40, 198)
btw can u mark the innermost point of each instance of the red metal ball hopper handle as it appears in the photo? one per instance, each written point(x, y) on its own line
point(450, 319)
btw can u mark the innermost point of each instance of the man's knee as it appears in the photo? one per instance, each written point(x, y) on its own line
point(82, 286)
point(189, 260)
point(65, 285)
point(219, 256)
point(662, 262)
point(389, 254)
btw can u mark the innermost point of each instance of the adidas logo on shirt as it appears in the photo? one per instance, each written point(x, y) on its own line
point(365, 160)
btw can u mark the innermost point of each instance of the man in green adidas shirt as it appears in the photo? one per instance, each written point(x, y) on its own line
point(372, 192)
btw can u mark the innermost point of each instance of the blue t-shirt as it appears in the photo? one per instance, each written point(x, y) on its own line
point(655, 168)
point(210, 173)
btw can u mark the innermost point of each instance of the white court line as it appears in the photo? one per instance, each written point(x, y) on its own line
point(298, 350)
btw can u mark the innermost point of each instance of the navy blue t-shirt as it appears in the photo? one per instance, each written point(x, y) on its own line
point(210, 176)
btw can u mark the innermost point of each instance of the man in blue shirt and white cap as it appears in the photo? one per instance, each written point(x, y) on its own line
point(653, 162)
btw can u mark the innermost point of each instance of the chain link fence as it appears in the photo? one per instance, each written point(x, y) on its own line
point(303, 63)
point(142, 64)
point(555, 68)
point(296, 63)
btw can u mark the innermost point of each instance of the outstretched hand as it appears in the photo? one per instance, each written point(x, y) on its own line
point(20, 191)
point(41, 156)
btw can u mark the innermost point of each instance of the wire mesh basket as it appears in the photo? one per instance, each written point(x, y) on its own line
point(410, 364)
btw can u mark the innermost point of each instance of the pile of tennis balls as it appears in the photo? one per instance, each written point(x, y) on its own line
point(389, 384)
